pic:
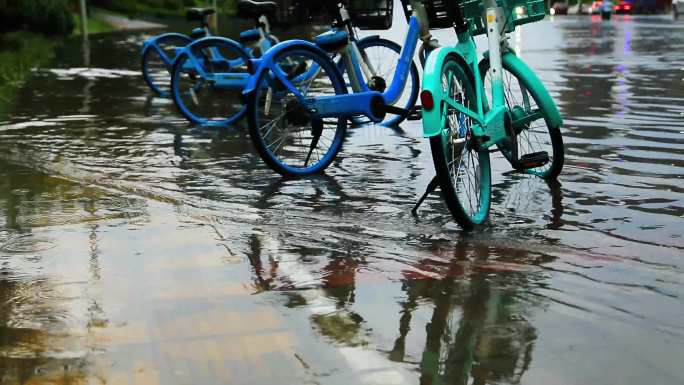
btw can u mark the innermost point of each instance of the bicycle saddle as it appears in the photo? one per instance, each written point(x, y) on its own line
point(332, 40)
point(199, 13)
point(249, 8)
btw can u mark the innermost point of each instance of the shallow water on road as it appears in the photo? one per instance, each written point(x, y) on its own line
point(135, 249)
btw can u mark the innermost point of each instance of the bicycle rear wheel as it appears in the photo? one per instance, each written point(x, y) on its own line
point(535, 134)
point(462, 168)
point(207, 82)
point(156, 69)
point(285, 135)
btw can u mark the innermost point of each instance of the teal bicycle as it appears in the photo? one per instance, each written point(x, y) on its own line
point(471, 109)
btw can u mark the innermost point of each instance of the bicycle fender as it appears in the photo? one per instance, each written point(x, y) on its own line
point(189, 47)
point(232, 42)
point(432, 82)
point(367, 38)
point(262, 64)
point(547, 105)
point(147, 43)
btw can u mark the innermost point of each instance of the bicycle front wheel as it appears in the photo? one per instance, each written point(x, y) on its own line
point(462, 168)
point(285, 135)
point(207, 82)
point(535, 134)
point(156, 64)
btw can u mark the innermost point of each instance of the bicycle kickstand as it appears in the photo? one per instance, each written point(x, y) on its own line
point(432, 186)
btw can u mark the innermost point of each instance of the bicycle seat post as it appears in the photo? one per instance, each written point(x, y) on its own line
point(263, 24)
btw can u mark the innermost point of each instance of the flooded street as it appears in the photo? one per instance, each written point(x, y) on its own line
point(135, 249)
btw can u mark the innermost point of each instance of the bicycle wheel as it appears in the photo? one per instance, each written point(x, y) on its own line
point(208, 80)
point(462, 168)
point(383, 56)
point(155, 68)
point(533, 136)
point(281, 128)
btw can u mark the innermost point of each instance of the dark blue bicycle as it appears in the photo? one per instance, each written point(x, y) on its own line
point(160, 53)
point(298, 125)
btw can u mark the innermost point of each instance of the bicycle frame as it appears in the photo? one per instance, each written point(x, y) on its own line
point(489, 119)
point(364, 101)
point(264, 44)
point(356, 64)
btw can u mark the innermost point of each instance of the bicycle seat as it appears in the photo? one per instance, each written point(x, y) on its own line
point(249, 8)
point(250, 36)
point(199, 13)
point(198, 33)
point(332, 40)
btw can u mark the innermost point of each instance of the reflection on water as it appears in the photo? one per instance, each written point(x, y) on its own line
point(136, 249)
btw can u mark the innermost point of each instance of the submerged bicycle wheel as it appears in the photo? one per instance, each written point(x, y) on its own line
point(207, 82)
point(462, 167)
point(285, 135)
point(535, 134)
point(156, 69)
point(383, 56)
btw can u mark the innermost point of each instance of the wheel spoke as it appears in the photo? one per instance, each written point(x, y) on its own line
point(290, 139)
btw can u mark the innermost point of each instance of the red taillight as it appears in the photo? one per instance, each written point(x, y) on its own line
point(426, 100)
point(628, 7)
point(616, 7)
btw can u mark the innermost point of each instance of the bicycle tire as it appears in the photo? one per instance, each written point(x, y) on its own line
point(553, 145)
point(459, 140)
point(218, 106)
point(160, 84)
point(269, 89)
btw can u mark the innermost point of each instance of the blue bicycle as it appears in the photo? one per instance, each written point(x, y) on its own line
point(298, 127)
point(208, 75)
point(160, 52)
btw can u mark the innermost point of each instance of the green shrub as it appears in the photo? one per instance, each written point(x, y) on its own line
point(173, 4)
point(127, 7)
point(51, 17)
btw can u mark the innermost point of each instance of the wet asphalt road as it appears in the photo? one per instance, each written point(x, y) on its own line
point(137, 250)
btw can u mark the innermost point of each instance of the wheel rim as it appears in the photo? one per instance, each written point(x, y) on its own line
point(531, 137)
point(200, 98)
point(465, 165)
point(157, 72)
point(287, 133)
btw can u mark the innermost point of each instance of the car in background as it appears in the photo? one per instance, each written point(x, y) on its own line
point(623, 7)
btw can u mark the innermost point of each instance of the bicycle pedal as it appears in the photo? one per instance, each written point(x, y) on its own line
point(531, 160)
point(415, 113)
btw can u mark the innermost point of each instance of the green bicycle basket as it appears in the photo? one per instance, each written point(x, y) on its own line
point(517, 12)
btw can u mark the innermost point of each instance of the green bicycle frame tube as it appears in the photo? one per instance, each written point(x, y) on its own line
point(491, 122)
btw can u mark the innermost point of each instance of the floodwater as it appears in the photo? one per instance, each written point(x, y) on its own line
point(137, 250)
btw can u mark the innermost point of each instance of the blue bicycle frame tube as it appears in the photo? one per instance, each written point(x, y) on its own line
point(153, 42)
point(229, 79)
point(343, 105)
point(266, 63)
point(405, 60)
